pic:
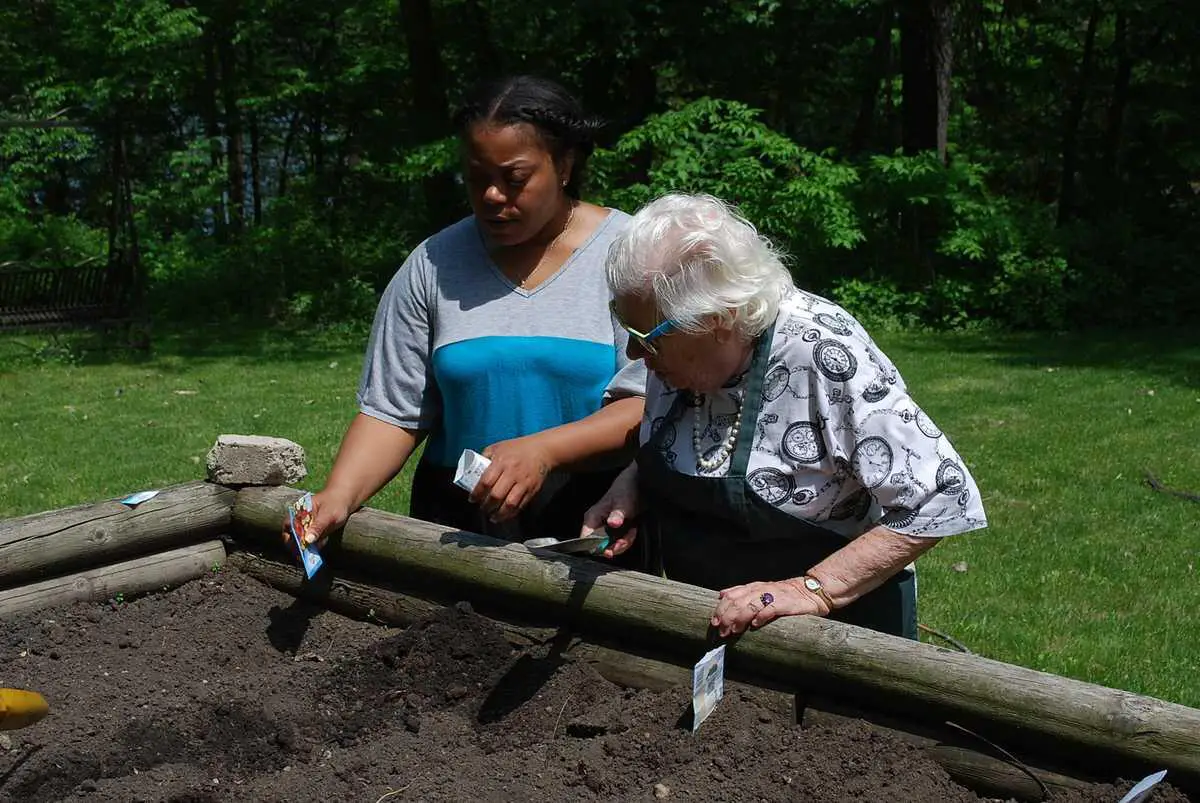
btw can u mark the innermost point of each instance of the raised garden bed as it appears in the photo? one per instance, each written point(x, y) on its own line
point(513, 676)
point(228, 690)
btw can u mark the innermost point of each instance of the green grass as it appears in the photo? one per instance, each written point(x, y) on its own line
point(1084, 571)
point(117, 424)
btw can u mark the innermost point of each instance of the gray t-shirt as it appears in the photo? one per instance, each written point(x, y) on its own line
point(459, 350)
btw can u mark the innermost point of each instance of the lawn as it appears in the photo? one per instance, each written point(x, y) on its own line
point(1085, 571)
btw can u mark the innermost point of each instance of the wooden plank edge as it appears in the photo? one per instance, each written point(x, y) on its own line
point(157, 572)
point(63, 542)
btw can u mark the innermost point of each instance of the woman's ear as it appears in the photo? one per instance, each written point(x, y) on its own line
point(724, 329)
point(565, 167)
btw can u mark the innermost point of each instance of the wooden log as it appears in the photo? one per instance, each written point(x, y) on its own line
point(376, 602)
point(59, 542)
point(1107, 731)
point(138, 576)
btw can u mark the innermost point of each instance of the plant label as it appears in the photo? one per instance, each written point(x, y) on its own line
point(708, 684)
point(1142, 789)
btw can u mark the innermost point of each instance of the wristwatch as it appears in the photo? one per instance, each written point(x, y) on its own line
point(814, 585)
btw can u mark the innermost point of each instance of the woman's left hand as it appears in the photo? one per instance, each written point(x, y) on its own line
point(519, 467)
point(754, 604)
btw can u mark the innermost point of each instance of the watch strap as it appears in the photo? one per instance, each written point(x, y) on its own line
point(814, 585)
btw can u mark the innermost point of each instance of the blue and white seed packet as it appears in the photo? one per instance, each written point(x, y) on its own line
point(300, 519)
point(1142, 790)
point(133, 500)
point(708, 684)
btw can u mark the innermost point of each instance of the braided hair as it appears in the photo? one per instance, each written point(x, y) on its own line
point(553, 112)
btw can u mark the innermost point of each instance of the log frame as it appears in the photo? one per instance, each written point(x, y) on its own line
point(138, 576)
point(59, 542)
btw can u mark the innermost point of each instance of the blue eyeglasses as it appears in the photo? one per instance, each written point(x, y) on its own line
point(644, 339)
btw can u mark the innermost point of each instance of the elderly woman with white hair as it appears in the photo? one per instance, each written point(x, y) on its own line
point(783, 461)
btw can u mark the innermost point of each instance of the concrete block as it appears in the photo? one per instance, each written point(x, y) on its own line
point(255, 460)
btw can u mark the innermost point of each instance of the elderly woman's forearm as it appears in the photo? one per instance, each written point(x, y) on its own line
point(867, 562)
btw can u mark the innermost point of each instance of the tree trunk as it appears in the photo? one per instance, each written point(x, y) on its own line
point(943, 63)
point(285, 158)
point(212, 129)
point(894, 134)
point(234, 149)
point(1119, 102)
point(316, 143)
point(256, 184)
point(132, 262)
point(877, 70)
point(1073, 119)
point(432, 110)
point(57, 192)
point(926, 56)
point(488, 60)
point(116, 170)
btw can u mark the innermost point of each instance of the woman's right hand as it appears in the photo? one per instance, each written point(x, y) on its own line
point(617, 509)
point(330, 511)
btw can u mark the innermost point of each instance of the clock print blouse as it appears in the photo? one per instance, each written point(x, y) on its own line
point(838, 441)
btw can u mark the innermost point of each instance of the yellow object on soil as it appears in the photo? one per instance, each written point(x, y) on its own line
point(19, 708)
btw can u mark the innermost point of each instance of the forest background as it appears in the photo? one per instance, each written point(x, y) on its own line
point(1008, 163)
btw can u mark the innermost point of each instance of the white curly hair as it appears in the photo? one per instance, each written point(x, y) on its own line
point(705, 265)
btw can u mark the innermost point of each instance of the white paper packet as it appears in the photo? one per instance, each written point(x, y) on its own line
point(471, 465)
point(1143, 788)
point(708, 684)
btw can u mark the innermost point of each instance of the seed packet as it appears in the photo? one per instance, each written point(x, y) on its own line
point(300, 515)
point(471, 465)
point(133, 500)
point(1143, 789)
point(708, 684)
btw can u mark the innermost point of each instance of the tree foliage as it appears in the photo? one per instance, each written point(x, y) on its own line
point(1028, 163)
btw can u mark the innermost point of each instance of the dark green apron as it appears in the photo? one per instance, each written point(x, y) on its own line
point(715, 532)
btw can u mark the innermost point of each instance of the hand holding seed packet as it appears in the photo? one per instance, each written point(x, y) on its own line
point(471, 465)
point(300, 516)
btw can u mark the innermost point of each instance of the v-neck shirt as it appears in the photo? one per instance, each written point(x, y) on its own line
point(529, 292)
point(461, 351)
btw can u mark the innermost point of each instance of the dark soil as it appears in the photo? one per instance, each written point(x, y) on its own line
point(226, 690)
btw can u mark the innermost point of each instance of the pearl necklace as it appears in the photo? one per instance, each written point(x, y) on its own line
point(707, 465)
point(549, 248)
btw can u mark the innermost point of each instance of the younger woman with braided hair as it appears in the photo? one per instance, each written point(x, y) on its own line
point(496, 335)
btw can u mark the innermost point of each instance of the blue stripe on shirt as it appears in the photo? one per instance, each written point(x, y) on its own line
point(496, 388)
